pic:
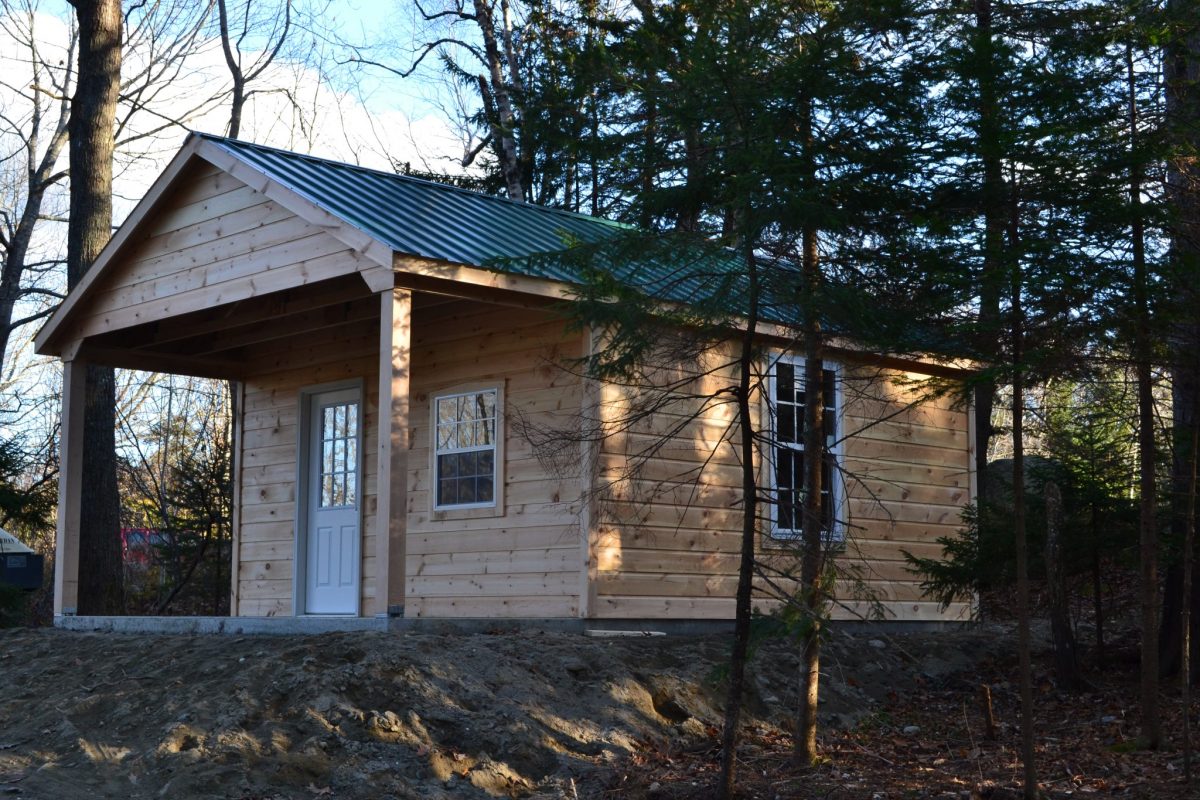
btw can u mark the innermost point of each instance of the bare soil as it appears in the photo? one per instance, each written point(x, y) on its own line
point(535, 715)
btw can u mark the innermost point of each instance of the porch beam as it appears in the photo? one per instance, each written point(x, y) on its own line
point(391, 517)
point(306, 323)
point(243, 312)
point(70, 489)
point(162, 362)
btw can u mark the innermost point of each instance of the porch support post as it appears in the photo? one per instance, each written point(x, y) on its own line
point(391, 516)
point(70, 488)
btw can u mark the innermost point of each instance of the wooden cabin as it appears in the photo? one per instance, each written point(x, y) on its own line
point(392, 355)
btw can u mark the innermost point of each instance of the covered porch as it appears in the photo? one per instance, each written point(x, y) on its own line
point(340, 342)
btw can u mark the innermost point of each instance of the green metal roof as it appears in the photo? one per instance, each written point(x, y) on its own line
point(437, 221)
point(420, 217)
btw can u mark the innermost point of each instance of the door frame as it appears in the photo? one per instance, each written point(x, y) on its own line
point(303, 463)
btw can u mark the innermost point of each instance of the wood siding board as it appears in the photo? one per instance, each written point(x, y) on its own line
point(525, 559)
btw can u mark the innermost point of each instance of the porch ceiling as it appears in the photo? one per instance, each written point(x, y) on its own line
point(226, 341)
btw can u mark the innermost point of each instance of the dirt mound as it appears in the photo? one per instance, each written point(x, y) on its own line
point(391, 715)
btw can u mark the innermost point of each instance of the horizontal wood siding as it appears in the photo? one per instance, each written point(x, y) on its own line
point(268, 457)
point(215, 240)
point(524, 559)
point(666, 536)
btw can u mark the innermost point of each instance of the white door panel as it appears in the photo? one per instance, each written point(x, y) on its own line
point(333, 497)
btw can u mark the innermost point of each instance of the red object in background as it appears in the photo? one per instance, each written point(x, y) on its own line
point(137, 544)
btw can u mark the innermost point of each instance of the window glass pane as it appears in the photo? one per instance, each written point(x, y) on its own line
point(488, 404)
point(327, 423)
point(326, 456)
point(785, 511)
point(784, 382)
point(351, 455)
point(351, 489)
point(326, 491)
point(447, 496)
point(465, 438)
point(466, 490)
point(483, 433)
point(444, 436)
point(470, 411)
point(783, 468)
point(786, 429)
point(445, 409)
point(352, 420)
point(339, 455)
point(448, 466)
point(483, 489)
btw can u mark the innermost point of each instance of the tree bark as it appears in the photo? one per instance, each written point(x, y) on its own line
point(745, 586)
point(1147, 449)
point(1181, 65)
point(813, 534)
point(1066, 660)
point(1017, 333)
point(93, 115)
point(503, 120)
point(991, 279)
point(1189, 541)
point(1098, 590)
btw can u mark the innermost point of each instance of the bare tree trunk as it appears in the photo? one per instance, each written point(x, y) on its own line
point(1185, 622)
point(813, 534)
point(745, 586)
point(813, 544)
point(503, 120)
point(1066, 661)
point(1147, 450)
point(1181, 67)
point(1097, 588)
point(93, 115)
point(991, 284)
point(1019, 517)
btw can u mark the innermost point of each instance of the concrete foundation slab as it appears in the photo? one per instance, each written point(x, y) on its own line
point(289, 626)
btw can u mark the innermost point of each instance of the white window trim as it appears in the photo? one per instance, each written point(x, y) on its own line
point(496, 502)
point(837, 491)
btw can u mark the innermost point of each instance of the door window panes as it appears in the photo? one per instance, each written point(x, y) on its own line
point(339, 455)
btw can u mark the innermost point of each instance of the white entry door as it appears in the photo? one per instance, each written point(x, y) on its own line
point(333, 495)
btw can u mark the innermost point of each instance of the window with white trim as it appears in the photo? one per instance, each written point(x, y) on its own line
point(465, 454)
point(786, 410)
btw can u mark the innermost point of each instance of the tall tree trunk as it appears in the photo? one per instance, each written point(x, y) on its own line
point(991, 279)
point(745, 586)
point(1066, 661)
point(813, 535)
point(1181, 65)
point(503, 119)
point(1185, 622)
point(1097, 586)
point(812, 556)
point(93, 115)
point(1017, 332)
point(1147, 450)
